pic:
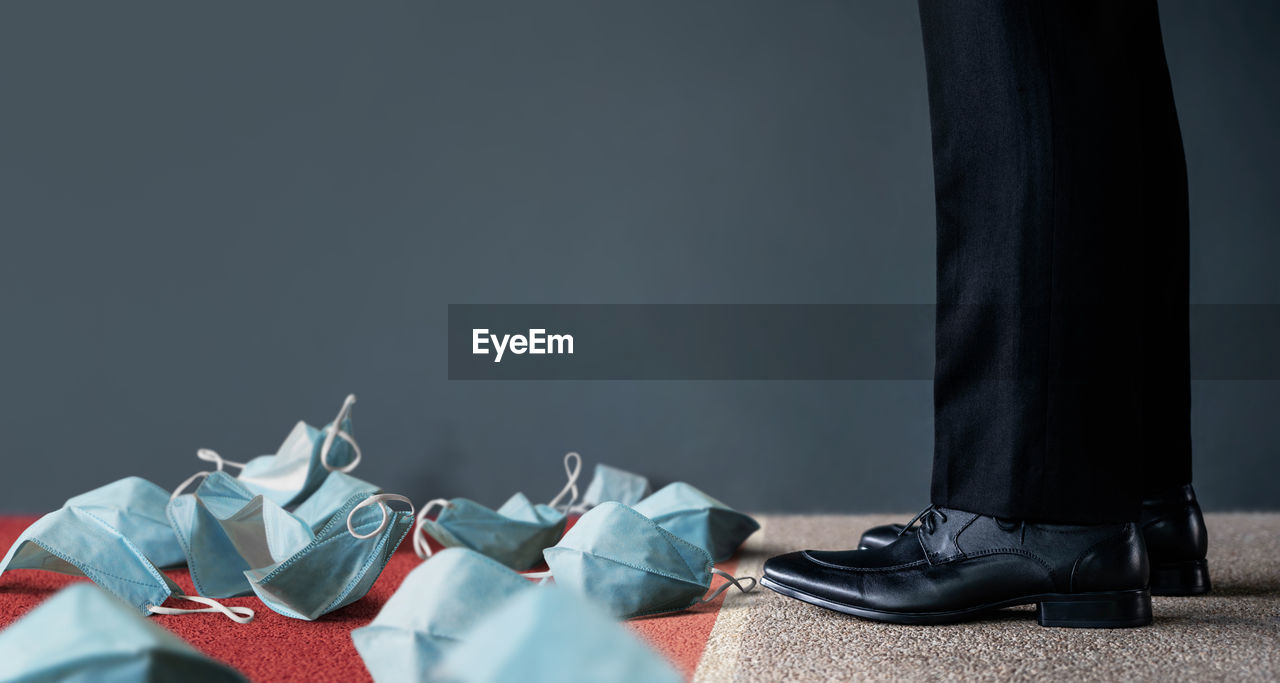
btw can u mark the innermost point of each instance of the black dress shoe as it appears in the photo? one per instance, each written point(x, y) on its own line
point(959, 564)
point(1177, 543)
point(1172, 526)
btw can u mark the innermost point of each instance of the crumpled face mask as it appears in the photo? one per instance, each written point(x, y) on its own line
point(608, 484)
point(624, 561)
point(699, 519)
point(237, 542)
point(514, 534)
point(327, 500)
point(437, 604)
point(135, 508)
point(341, 564)
point(549, 634)
point(83, 634)
point(301, 464)
point(226, 530)
point(612, 484)
point(75, 541)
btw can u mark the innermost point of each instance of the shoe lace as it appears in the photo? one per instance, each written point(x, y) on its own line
point(929, 519)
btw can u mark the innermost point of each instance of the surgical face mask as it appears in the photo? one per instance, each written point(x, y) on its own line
point(549, 634)
point(624, 561)
point(83, 634)
point(514, 534)
point(438, 602)
point(340, 564)
point(327, 500)
point(612, 484)
point(607, 484)
point(226, 530)
point(238, 543)
point(699, 519)
point(301, 464)
point(135, 508)
point(75, 541)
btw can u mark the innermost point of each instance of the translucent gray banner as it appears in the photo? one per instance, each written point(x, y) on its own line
point(775, 341)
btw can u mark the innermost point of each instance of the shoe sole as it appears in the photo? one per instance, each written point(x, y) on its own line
point(1110, 609)
point(1172, 579)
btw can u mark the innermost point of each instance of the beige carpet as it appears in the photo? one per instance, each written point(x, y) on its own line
point(1231, 634)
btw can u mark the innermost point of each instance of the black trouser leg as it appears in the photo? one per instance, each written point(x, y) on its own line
point(1166, 350)
point(1061, 381)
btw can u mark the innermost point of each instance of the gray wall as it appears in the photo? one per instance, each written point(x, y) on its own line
point(218, 220)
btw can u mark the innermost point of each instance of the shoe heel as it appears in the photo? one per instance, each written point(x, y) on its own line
point(1113, 609)
point(1180, 578)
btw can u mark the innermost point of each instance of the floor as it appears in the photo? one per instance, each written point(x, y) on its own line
point(276, 648)
point(1233, 633)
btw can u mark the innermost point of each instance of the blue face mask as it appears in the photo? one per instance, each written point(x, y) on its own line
point(83, 634)
point(341, 564)
point(514, 534)
point(237, 543)
point(548, 634)
point(436, 605)
point(608, 484)
point(699, 519)
point(77, 542)
point(135, 508)
point(612, 484)
point(226, 530)
point(622, 560)
point(301, 464)
point(336, 490)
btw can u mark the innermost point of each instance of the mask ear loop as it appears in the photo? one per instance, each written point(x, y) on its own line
point(334, 429)
point(572, 472)
point(420, 546)
point(240, 615)
point(187, 482)
point(731, 581)
point(210, 455)
point(540, 577)
point(207, 455)
point(381, 500)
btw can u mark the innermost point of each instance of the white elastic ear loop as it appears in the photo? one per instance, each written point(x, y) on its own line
point(210, 455)
point(381, 499)
point(187, 482)
point(420, 546)
point(572, 472)
point(207, 455)
point(732, 581)
point(541, 577)
point(240, 615)
point(334, 429)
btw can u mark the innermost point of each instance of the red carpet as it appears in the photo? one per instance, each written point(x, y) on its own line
point(277, 648)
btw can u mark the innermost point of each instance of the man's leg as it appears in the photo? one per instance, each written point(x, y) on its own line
point(1166, 350)
point(1042, 288)
point(1172, 524)
point(979, 417)
point(1046, 258)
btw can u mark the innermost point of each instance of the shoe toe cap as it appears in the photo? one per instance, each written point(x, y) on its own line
point(789, 569)
point(809, 572)
point(824, 576)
